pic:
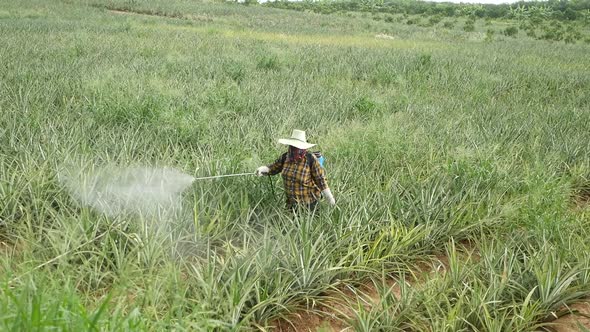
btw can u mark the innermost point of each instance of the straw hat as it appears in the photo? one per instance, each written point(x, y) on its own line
point(297, 140)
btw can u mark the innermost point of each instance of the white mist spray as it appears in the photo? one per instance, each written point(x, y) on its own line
point(142, 191)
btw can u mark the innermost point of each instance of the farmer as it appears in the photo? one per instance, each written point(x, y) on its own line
point(303, 176)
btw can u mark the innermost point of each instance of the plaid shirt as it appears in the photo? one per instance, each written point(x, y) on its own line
point(303, 183)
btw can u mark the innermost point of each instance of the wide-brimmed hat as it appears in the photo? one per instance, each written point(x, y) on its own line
point(297, 140)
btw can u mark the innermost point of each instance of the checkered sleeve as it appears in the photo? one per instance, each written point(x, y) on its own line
point(277, 166)
point(318, 174)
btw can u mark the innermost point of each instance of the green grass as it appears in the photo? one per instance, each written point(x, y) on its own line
point(431, 138)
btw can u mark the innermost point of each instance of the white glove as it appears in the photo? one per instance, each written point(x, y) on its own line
point(328, 195)
point(262, 170)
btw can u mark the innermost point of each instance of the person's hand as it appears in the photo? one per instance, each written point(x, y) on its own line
point(329, 197)
point(262, 170)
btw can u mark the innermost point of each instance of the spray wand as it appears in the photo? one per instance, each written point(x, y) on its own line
point(239, 174)
point(222, 176)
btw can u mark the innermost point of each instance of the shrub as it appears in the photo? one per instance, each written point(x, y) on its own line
point(552, 33)
point(511, 31)
point(269, 62)
point(236, 71)
point(434, 20)
point(448, 24)
point(574, 33)
point(531, 33)
point(365, 105)
point(535, 20)
point(425, 60)
point(490, 35)
point(469, 27)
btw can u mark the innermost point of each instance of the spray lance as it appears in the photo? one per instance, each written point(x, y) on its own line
point(272, 189)
point(222, 176)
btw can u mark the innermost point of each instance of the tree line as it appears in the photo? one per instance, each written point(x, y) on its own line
point(563, 10)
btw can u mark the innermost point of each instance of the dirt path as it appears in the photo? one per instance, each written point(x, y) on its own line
point(332, 314)
point(578, 320)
